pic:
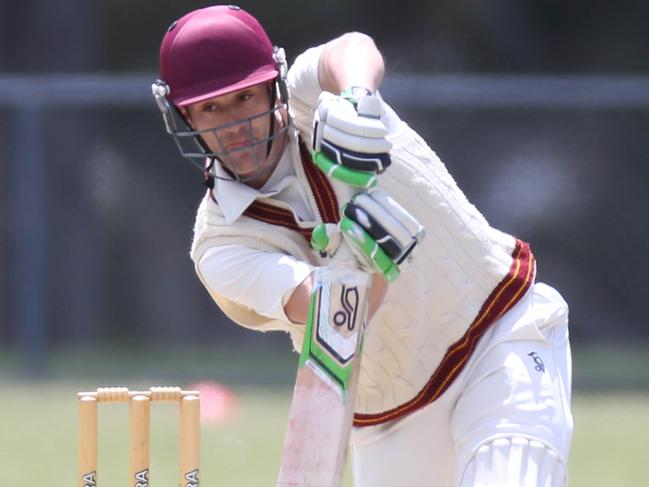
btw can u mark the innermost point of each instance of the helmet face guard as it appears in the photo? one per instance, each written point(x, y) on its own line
point(211, 52)
point(193, 146)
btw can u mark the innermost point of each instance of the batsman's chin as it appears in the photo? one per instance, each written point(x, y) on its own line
point(253, 174)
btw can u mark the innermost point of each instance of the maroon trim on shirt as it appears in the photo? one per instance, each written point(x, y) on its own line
point(506, 294)
point(276, 216)
point(325, 196)
point(322, 190)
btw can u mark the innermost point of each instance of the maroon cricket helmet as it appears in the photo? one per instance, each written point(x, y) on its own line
point(214, 51)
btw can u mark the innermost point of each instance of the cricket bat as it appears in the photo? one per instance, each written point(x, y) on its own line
point(322, 409)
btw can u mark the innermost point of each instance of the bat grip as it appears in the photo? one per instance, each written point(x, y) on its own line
point(344, 255)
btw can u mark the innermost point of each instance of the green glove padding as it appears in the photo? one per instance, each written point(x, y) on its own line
point(319, 238)
point(359, 179)
point(367, 246)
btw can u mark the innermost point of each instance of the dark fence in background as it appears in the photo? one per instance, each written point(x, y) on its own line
point(96, 206)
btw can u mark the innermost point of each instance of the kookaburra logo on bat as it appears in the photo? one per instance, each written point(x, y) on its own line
point(349, 298)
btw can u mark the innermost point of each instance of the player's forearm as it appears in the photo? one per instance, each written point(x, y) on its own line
point(351, 60)
point(297, 306)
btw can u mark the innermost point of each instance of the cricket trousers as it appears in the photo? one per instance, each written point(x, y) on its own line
point(514, 390)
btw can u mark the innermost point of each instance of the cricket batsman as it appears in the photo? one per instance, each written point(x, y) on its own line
point(465, 377)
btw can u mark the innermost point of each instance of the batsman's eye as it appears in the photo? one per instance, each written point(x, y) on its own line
point(211, 108)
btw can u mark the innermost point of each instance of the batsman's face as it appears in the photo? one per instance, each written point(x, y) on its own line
point(236, 127)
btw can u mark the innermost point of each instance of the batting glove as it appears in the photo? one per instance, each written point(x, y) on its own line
point(379, 232)
point(349, 138)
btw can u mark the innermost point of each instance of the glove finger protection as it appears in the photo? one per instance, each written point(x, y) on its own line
point(340, 114)
point(380, 233)
point(398, 212)
point(392, 227)
point(367, 250)
point(327, 237)
point(350, 139)
point(376, 230)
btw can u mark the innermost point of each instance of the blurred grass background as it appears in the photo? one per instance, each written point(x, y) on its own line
point(38, 433)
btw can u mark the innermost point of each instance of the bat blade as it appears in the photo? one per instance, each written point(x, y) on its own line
point(322, 409)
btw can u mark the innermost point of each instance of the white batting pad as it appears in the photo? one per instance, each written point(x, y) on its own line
point(514, 462)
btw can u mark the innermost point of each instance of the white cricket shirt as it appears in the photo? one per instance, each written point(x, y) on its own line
point(245, 275)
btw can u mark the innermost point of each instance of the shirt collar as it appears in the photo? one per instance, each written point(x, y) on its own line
point(234, 197)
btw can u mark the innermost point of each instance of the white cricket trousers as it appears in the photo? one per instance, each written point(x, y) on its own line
point(515, 388)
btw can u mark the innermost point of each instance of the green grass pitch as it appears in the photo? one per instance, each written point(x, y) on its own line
point(38, 444)
point(38, 433)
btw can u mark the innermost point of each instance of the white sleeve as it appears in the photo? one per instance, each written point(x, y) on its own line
point(304, 89)
point(259, 280)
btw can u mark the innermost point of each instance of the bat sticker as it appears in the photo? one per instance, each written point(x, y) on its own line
point(349, 301)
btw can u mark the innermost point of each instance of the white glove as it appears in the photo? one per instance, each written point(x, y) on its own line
point(350, 134)
point(379, 231)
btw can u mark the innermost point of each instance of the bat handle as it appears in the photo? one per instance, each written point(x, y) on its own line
point(344, 256)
